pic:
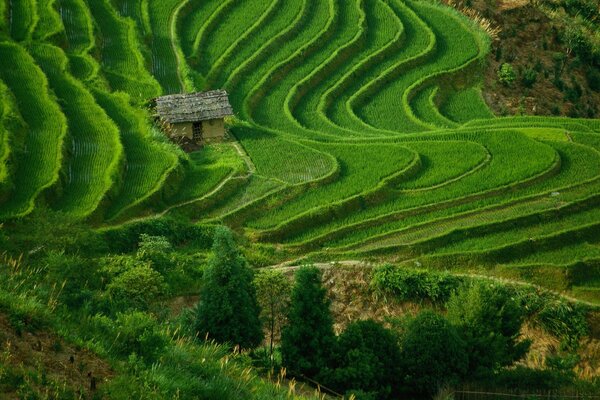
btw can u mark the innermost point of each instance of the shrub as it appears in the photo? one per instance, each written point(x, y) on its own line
point(307, 340)
point(228, 310)
point(522, 378)
point(126, 237)
point(78, 277)
point(433, 355)
point(367, 361)
point(157, 250)
point(529, 77)
point(133, 332)
point(136, 287)
point(139, 333)
point(489, 321)
point(565, 320)
point(414, 284)
point(506, 74)
point(593, 78)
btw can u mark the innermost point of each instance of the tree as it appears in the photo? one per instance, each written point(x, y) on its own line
point(367, 361)
point(433, 355)
point(273, 293)
point(308, 339)
point(489, 322)
point(228, 310)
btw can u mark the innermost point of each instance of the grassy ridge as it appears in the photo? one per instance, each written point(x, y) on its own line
point(148, 161)
point(39, 160)
point(8, 111)
point(23, 19)
point(93, 148)
point(121, 58)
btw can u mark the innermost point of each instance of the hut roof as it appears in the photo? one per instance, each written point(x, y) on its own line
point(193, 107)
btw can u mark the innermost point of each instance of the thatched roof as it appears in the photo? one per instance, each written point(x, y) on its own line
point(193, 107)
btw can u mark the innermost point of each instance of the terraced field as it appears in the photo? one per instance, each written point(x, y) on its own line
point(360, 132)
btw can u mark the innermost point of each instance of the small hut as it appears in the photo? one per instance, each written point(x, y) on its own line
point(194, 118)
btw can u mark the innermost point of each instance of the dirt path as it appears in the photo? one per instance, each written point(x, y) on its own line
point(290, 266)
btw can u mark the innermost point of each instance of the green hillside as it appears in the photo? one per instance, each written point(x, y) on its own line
point(362, 122)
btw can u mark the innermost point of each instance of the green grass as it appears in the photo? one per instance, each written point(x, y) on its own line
point(465, 105)
point(356, 177)
point(148, 161)
point(424, 108)
point(120, 54)
point(50, 23)
point(283, 160)
point(233, 19)
point(454, 46)
point(93, 148)
point(77, 21)
point(204, 170)
point(384, 36)
point(269, 52)
point(8, 112)
point(23, 19)
point(39, 160)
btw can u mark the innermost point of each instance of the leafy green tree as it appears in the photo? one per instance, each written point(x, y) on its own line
point(228, 310)
point(489, 321)
point(506, 74)
point(307, 340)
point(433, 355)
point(273, 293)
point(367, 361)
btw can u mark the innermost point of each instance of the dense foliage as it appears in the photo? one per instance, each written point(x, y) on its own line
point(228, 311)
point(489, 321)
point(307, 340)
point(433, 355)
point(367, 362)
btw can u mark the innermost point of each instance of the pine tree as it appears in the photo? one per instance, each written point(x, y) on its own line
point(307, 340)
point(228, 311)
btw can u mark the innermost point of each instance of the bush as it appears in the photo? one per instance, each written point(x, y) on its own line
point(136, 288)
point(433, 355)
point(133, 332)
point(125, 238)
point(527, 379)
point(367, 362)
point(593, 78)
point(414, 284)
point(506, 74)
point(529, 77)
point(565, 320)
point(79, 277)
point(489, 321)
point(157, 250)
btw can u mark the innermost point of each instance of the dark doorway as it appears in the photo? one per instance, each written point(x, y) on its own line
point(197, 131)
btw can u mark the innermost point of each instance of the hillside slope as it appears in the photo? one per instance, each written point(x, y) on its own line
point(362, 126)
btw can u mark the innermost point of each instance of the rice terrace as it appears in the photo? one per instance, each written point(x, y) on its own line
point(361, 132)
